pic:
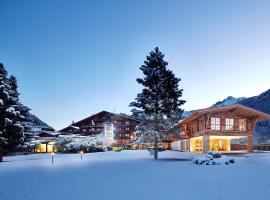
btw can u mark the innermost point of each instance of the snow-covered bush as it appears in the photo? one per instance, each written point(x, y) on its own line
point(74, 143)
point(213, 158)
point(29, 146)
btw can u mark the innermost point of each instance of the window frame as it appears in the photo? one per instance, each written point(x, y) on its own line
point(244, 125)
point(215, 123)
point(229, 124)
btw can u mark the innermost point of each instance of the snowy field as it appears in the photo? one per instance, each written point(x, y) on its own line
point(133, 175)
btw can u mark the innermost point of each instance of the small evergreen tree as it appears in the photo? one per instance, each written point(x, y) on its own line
point(160, 98)
point(11, 131)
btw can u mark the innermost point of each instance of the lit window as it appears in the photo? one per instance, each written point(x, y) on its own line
point(229, 124)
point(242, 124)
point(127, 129)
point(215, 123)
point(127, 122)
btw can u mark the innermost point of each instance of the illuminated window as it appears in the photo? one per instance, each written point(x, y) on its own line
point(229, 124)
point(127, 122)
point(242, 124)
point(215, 123)
point(127, 129)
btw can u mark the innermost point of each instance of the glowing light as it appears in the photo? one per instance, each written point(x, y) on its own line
point(81, 152)
point(109, 134)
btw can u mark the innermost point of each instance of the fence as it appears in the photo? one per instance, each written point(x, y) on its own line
point(262, 147)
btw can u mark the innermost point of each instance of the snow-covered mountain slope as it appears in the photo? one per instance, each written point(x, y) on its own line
point(228, 101)
point(34, 126)
point(225, 102)
point(261, 103)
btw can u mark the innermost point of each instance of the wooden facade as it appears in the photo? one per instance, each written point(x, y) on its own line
point(214, 129)
point(123, 125)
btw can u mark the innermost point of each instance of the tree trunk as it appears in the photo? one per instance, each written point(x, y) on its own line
point(1, 157)
point(156, 137)
point(156, 148)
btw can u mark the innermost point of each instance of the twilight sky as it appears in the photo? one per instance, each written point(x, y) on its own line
point(74, 58)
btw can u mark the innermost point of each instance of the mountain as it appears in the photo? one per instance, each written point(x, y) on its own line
point(225, 102)
point(228, 101)
point(34, 126)
point(260, 102)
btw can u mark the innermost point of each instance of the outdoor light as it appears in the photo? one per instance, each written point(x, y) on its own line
point(81, 154)
point(52, 157)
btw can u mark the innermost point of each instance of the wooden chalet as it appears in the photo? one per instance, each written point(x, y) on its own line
point(225, 129)
point(118, 129)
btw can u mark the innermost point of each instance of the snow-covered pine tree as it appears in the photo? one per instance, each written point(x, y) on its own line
point(16, 134)
point(160, 98)
point(11, 131)
point(4, 96)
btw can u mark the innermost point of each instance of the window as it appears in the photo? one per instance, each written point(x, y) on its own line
point(127, 122)
point(215, 123)
point(229, 124)
point(242, 124)
point(127, 128)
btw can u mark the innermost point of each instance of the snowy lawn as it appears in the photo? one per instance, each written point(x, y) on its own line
point(133, 175)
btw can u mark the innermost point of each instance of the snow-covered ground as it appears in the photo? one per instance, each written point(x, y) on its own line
point(133, 175)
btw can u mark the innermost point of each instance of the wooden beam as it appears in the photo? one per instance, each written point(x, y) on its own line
point(254, 124)
point(206, 125)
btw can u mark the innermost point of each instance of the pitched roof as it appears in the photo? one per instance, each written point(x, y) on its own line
point(246, 111)
point(93, 116)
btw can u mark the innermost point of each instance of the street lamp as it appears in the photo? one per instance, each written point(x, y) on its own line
point(52, 157)
point(81, 152)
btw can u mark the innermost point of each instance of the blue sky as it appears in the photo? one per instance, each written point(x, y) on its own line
point(76, 58)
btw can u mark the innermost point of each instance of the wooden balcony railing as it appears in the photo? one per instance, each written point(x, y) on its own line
point(230, 128)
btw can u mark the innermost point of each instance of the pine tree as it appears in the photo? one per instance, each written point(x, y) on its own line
point(11, 131)
point(160, 98)
point(4, 96)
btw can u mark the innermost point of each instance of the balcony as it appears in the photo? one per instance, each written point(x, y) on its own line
point(230, 129)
